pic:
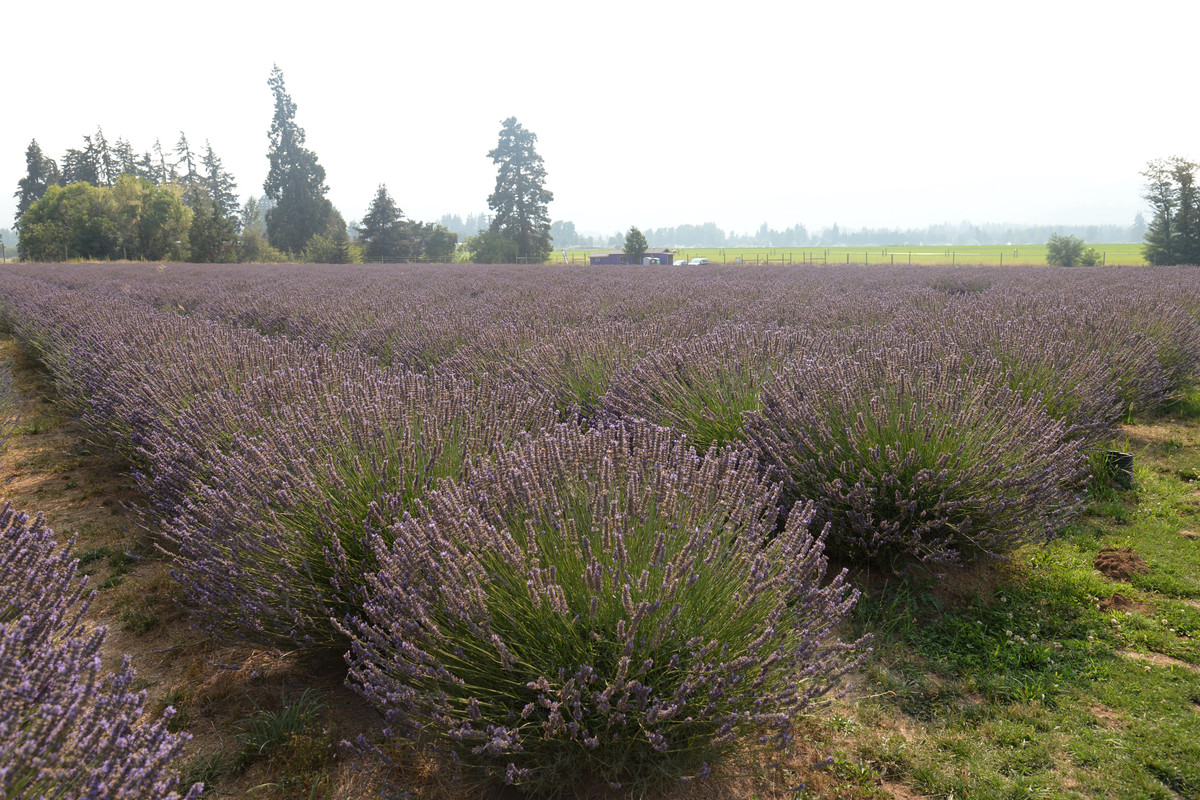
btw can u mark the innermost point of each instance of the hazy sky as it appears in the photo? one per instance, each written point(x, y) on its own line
point(647, 113)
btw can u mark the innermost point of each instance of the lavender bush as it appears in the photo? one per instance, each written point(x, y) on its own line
point(9, 404)
point(702, 386)
point(579, 363)
point(607, 604)
point(309, 478)
point(914, 457)
point(66, 730)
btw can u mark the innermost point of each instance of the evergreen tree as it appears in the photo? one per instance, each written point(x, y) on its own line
point(103, 163)
point(213, 234)
point(125, 162)
point(40, 174)
point(1138, 229)
point(221, 186)
point(1173, 234)
point(382, 234)
point(520, 200)
point(164, 172)
point(1187, 214)
point(145, 167)
point(185, 165)
point(635, 245)
point(295, 181)
point(79, 167)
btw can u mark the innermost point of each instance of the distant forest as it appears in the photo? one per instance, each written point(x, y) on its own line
point(708, 235)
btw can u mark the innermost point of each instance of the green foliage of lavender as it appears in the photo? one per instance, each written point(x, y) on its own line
point(9, 404)
point(604, 604)
point(701, 387)
point(577, 365)
point(252, 542)
point(909, 456)
point(282, 421)
point(67, 730)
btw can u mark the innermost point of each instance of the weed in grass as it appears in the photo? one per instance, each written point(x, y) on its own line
point(301, 764)
point(207, 770)
point(93, 554)
point(180, 699)
point(264, 731)
point(111, 582)
point(34, 428)
point(138, 621)
point(1106, 477)
point(1187, 405)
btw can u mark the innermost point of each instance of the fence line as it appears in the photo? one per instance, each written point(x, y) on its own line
point(947, 257)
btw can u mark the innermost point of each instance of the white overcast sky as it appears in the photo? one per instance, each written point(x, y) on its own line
point(649, 113)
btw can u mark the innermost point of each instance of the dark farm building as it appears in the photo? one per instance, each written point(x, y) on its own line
point(656, 255)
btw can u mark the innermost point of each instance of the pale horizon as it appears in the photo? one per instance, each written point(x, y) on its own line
point(864, 115)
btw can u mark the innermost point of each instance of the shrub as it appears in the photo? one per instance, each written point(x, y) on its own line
point(702, 386)
point(911, 456)
point(66, 731)
point(607, 604)
point(310, 477)
point(1064, 251)
point(8, 404)
point(578, 364)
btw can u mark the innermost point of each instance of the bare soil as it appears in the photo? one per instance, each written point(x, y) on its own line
point(1120, 563)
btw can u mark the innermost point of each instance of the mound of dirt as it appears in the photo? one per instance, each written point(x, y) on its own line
point(1119, 602)
point(1119, 563)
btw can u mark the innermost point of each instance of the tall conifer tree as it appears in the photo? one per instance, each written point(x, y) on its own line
point(295, 181)
point(521, 199)
point(1173, 235)
point(40, 174)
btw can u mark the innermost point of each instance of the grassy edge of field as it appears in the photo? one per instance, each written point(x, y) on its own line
point(1041, 678)
point(1036, 678)
point(1024, 255)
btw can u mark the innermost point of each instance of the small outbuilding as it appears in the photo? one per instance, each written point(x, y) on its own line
point(655, 255)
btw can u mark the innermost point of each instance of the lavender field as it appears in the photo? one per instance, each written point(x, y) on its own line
point(575, 527)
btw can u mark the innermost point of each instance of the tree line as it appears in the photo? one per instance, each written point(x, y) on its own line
point(107, 201)
point(1173, 235)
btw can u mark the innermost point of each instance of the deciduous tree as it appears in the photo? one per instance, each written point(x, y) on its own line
point(132, 219)
point(1064, 251)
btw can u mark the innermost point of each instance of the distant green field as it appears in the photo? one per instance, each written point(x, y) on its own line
point(981, 255)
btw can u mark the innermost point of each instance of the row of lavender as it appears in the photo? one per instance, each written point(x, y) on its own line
point(596, 595)
point(67, 729)
point(696, 356)
point(703, 624)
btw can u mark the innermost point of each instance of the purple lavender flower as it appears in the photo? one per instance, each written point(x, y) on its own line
point(605, 602)
point(67, 730)
point(912, 453)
